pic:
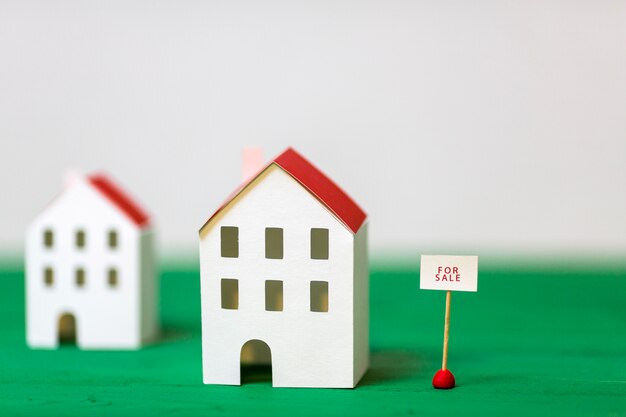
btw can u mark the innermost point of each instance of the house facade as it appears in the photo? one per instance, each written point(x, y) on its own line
point(90, 270)
point(284, 279)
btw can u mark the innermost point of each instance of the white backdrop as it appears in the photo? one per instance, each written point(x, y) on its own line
point(455, 124)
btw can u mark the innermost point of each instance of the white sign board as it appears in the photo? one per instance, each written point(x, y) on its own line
point(449, 273)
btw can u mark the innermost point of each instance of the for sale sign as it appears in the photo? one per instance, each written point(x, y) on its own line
point(449, 273)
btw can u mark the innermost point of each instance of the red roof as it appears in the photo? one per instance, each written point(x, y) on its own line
point(318, 184)
point(120, 199)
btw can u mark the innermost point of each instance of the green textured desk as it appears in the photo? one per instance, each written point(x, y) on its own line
point(543, 339)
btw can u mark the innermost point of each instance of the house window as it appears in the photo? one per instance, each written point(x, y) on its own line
point(112, 239)
point(80, 239)
point(230, 294)
point(80, 277)
point(48, 277)
point(230, 242)
point(319, 243)
point(273, 243)
point(48, 238)
point(112, 278)
point(319, 296)
point(273, 295)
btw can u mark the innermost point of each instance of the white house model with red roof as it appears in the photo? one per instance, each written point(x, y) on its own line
point(90, 272)
point(284, 278)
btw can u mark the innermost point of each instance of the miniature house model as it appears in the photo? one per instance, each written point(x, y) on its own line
point(90, 273)
point(284, 279)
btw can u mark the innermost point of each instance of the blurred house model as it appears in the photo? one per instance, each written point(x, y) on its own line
point(90, 272)
point(284, 279)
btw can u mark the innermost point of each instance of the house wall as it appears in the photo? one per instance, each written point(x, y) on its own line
point(105, 317)
point(361, 304)
point(309, 349)
point(149, 287)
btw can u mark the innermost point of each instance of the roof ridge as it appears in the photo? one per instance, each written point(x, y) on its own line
point(119, 198)
point(326, 191)
point(323, 188)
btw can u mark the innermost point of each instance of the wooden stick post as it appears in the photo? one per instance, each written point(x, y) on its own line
point(446, 332)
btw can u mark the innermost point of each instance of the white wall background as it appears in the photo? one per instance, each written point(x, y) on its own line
point(456, 124)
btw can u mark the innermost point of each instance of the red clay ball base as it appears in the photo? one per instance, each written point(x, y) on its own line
point(443, 379)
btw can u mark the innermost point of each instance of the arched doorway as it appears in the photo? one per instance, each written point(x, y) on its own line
point(256, 362)
point(67, 329)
